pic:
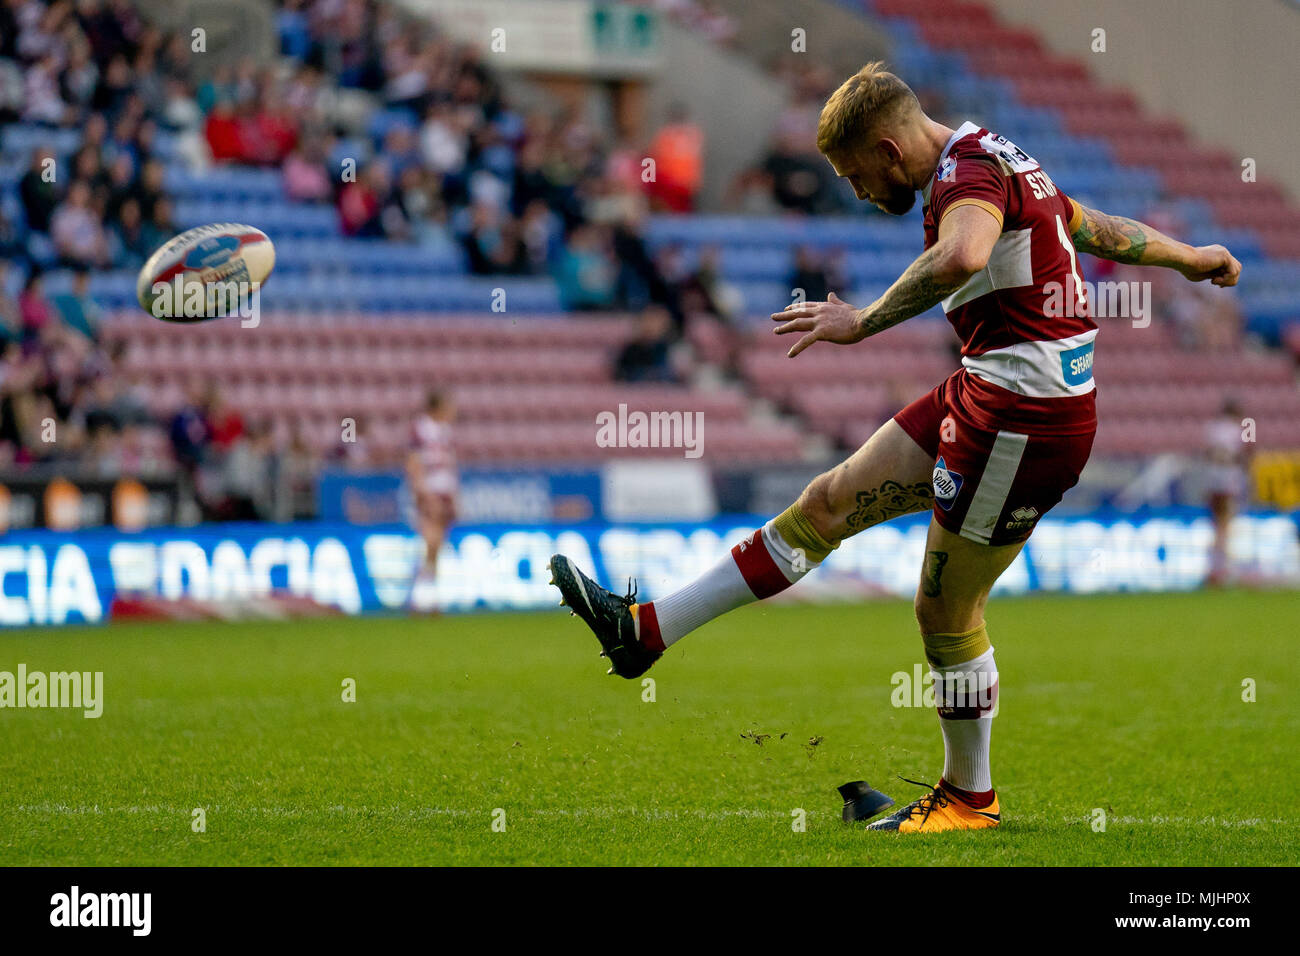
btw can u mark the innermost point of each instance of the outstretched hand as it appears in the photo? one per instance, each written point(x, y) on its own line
point(831, 321)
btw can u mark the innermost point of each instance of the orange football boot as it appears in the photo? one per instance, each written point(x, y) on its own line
point(937, 811)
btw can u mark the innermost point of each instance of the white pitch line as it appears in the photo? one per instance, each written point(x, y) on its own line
point(48, 809)
point(1199, 821)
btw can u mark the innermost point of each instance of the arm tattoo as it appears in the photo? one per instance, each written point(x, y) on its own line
point(916, 290)
point(1112, 237)
point(934, 562)
point(888, 501)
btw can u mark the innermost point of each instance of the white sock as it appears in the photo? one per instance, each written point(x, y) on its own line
point(760, 566)
point(967, 694)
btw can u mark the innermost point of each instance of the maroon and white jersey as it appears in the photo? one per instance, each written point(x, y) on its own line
point(431, 441)
point(1024, 320)
point(1226, 472)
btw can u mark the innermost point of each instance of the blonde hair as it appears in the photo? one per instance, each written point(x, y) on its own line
point(867, 99)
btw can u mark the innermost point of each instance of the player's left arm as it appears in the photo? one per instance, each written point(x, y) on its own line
point(967, 234)
point(1135, 243)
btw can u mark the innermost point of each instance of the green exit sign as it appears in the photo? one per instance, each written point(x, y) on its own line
point(624, 30)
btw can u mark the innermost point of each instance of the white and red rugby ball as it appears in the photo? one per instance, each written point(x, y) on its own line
point(205, 273)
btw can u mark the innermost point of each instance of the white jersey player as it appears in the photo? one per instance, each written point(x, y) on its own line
point(433, 480)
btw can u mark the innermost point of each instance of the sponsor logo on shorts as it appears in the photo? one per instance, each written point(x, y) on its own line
point(947, 483)
point(1022, 518)
point(1076, 365)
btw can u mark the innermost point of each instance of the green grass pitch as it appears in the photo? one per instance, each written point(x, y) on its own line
point(1131, 704)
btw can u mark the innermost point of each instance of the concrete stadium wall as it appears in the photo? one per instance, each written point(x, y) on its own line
point(835, 36)
point(733, 94)
point(1229, 70)
point(735, 102)
point(733, 98)
point(235, 28)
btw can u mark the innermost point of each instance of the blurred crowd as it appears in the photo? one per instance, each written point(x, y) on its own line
point(790, 176)
point(240, 468)
point(524, 192)
point(69, 401)
point(443, 151)
point(95, 68)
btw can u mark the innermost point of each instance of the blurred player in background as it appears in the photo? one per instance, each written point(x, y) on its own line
point(1226, 472)
point(988, 452)
point(433, 480)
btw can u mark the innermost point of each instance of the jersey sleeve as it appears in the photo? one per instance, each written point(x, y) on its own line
point(972, 181)
point(1073, 211)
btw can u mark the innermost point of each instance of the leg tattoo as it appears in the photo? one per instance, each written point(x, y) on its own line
point(888, 501)
point(934, 562)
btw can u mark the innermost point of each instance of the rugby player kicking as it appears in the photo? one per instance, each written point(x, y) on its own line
point(990, 450)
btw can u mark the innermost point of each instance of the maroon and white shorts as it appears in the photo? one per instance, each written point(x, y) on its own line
point(991, 483)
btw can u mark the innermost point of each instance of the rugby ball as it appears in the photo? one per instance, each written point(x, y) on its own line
point(206, 272)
